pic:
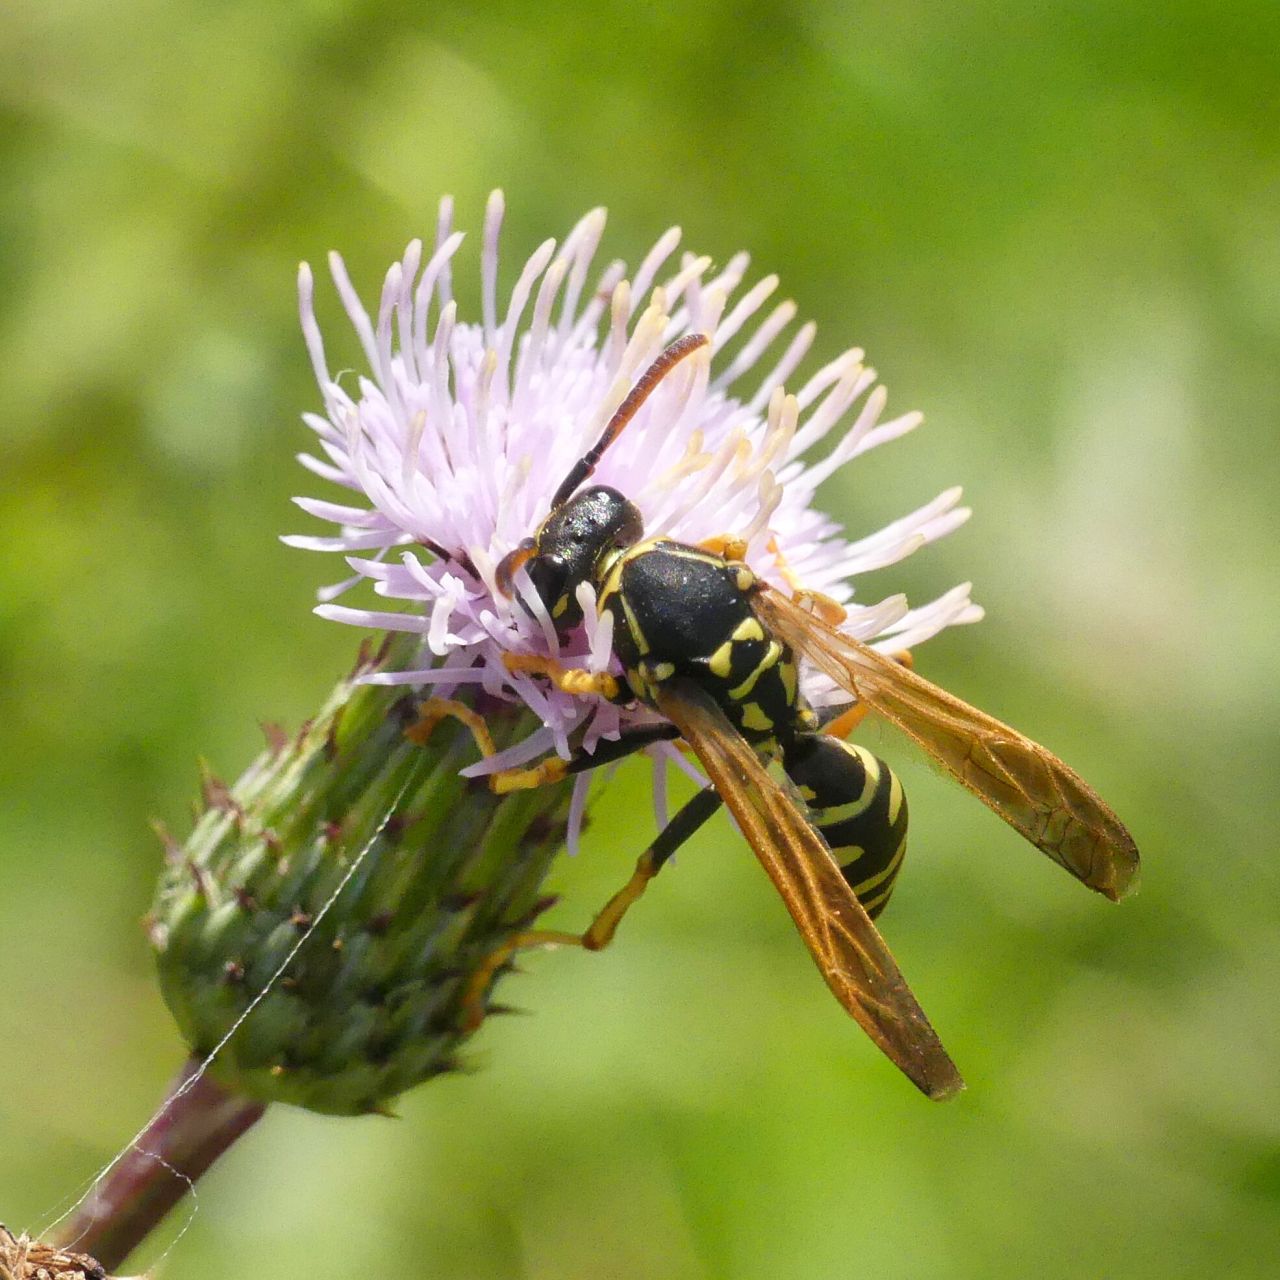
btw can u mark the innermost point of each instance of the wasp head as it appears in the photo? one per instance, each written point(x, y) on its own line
point(571, 546)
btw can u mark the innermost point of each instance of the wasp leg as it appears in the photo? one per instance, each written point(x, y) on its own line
point(600, 932)
point(542, 774)
point(783, 567)
point(830, 611)
point(847, 721)
point(842, 725)
point(726, 545)
point(572, 680)
point(554, 769)
point(433, 710)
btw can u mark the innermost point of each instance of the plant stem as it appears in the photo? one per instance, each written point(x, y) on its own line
point(191, 1131)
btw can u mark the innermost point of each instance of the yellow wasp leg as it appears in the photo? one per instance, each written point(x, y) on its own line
point(597, 936)
point(726, 545)
point(552, 769)
point(783, 567)
point(847, 721)
point(572, 680)
point(433, 710)
point(831, 612)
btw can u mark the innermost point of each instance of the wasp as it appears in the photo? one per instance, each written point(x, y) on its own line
point(714, 650)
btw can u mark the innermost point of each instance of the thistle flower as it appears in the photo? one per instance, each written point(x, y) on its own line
point(462, 432)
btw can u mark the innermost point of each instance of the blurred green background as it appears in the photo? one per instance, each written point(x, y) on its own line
point(1055, 230)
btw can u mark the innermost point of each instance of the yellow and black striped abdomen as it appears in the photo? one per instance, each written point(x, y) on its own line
point(856, 801)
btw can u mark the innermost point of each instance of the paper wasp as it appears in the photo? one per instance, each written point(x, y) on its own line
point(714, 650)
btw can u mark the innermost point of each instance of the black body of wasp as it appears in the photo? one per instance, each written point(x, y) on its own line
point(685, 614)
point(714, 651)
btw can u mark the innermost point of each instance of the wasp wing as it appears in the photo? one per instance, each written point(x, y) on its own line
point(1029, 787)
point(851, 955)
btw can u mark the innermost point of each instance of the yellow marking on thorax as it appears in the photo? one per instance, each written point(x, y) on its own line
point(721, 661)
point(772, 654)
point(610, 578)
point(752, 716)
point(686, 552)
point(790, 682)
point(609, 572)
point(612, 564)
point(633, 625)
point(607, 563)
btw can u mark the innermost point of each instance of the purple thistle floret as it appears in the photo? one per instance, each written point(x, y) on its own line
point(463, 432)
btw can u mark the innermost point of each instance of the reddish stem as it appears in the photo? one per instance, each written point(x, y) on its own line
point(178, 1146)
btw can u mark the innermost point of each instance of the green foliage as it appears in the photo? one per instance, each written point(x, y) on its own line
point(1053, 228)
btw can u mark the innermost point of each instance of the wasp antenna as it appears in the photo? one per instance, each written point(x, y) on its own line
point(627, 410)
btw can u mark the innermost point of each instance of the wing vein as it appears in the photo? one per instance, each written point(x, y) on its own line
point(849, 952)
point(1025, 784)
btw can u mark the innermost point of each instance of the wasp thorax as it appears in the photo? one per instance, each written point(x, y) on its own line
point(573, 541)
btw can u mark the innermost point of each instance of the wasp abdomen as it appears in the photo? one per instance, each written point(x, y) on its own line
point(856, 801)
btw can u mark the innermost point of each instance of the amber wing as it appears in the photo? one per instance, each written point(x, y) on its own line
point(851, 955)
point(1029, 787)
